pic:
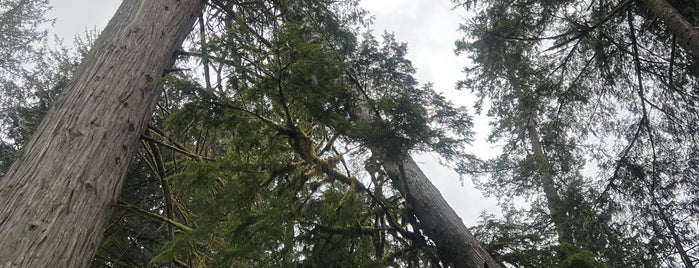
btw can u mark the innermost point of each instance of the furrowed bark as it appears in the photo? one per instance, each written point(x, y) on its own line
point(456, 245)
point(57, 196)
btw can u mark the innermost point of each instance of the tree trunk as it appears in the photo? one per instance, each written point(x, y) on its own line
point(57, 196)
point(543, 168)
point(687, 34)
point(455, 243)
point(553, 200)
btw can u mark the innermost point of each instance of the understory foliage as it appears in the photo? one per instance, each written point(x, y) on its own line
point(267, 145)
point(610, 98)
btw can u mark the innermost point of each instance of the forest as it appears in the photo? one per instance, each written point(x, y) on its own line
point(279, 133)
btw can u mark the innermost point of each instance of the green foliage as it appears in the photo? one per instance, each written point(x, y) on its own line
point(410, 117)
point(514, 242)
point(253, 153)
point(574, 257)
point(595, 80)
point(21, 35)
point(522, 242)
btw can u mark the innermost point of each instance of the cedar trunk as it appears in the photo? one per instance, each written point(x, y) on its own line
point(455, 243)
point(57, 196)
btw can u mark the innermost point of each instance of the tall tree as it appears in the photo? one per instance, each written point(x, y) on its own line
point(280, 99)
point(604, 83)
point(457, 246)
point(58, 194)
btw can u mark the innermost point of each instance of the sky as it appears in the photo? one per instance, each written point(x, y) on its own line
point(430, 29)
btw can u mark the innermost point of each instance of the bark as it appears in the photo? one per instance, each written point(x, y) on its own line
point(686, 33)
point(58, 194)
point(456, 245)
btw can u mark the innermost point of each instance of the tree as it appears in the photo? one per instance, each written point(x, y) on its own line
point(59, 192)
point(263, 133)
point(456, 244)
point(245, 168)
point(20, 33)
point(20, 44)
point(601, 89)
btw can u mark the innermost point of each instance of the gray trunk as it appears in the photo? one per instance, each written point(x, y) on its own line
point(687, 34)
point(57, 196)
point(553, 200)
point(456, 245)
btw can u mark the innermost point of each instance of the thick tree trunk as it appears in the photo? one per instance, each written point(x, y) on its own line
point(455, 243)
point(687, 34)
point(57, 196)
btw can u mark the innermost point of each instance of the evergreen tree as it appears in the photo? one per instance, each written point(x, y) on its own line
point(289, 148)
point(21, 40)
point(577, 84)
point(275, 162)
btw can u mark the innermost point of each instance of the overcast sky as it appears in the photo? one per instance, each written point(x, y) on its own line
point(430, 29)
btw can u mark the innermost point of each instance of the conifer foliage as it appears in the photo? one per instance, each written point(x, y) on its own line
point(265, 154)
point(282, 138)
point(595, 104)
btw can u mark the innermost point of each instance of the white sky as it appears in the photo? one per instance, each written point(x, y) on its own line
point(430, 29)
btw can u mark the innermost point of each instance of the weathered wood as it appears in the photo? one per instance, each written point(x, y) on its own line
point(455, 243)
point(57, 196)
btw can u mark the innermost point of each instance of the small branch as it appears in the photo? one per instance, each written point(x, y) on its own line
point(176, 149)
point(174, 223)
point(670, 75)
point(167, 195)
